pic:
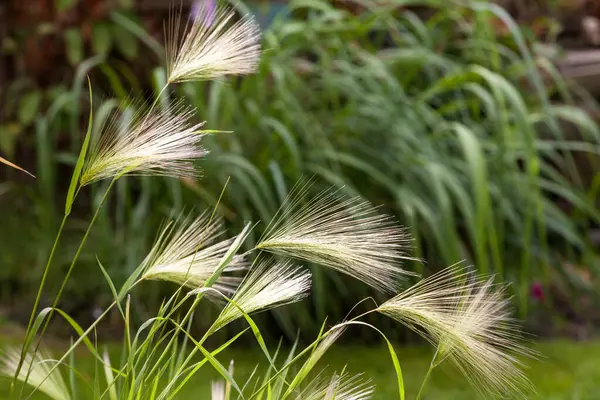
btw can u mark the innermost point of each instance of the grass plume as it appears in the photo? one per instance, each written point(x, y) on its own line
point(160, 142)
point(347, 235)
point(217, 390)
point(469, 321)
point(184, 255)
point(486, 344)
point(269, 284)
point(213, 45)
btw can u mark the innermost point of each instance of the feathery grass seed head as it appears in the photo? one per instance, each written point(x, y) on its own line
point(469, 320)
point(268, 285)
point(183, 255)
point(53, 383)
point(429, 306)
point(212, 45)
point(163, 142)
point(345, 235)
point(486, 343)
point(338, 387)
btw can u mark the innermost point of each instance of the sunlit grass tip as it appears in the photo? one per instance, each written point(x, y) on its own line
point(15, 166)
point(468, 318)
point(269, 284)
point(187, 253)
point(158, 142)
point(213, 45)
point(39, 368)
point(347, 235)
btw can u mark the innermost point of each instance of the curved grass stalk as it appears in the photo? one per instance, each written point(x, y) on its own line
point(82, 338)
point(322, 337)
point(70, 270)
point(71, 195)
point(318, 352)
point(25, 347)
point(432, 365)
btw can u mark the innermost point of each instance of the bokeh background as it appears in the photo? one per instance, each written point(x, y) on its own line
point(473, 122)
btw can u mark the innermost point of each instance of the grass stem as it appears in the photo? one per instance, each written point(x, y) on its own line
point(432, 365)
point(78, 253)
point(37, 301)
point(70, 270)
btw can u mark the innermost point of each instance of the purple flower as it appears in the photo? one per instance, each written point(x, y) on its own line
point(537, 291)
point(204, 10)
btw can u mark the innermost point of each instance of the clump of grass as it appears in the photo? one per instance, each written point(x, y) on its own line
point(468, 139)
point(427, 117)
point(467, 322)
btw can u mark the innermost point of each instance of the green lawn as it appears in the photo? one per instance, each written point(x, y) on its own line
point(567, 370)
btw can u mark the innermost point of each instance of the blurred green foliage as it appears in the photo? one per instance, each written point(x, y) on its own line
point(476, 144)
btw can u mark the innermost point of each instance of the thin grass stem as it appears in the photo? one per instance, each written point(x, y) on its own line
point(155, 102)
point(76, 257)
point(73, 346)
point(432, 365)
point(78, 253)
point(37, 302)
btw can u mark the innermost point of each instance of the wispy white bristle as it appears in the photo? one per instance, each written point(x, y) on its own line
point(38, 367)
point(184, 255)
point(338, 387)
point(468, 319)
point(487, 343)
point(213, 45)
point(217, 390)
point(161, 142)
point(346, 235)
point(268, 285)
